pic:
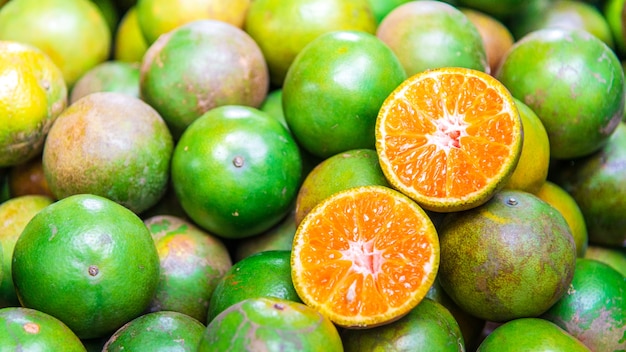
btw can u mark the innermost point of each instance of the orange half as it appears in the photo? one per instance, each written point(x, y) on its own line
point(449, 138)
point(365, 256)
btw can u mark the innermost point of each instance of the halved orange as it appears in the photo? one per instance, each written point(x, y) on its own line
point(449, 138)
point(364, 256)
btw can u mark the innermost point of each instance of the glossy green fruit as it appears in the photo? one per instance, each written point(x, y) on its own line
point(334, 89)
point(574, 83)
point(236, 171)
point(594, 308)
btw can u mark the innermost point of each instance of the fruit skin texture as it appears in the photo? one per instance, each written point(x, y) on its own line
point(109, 76)
point(594, 308)
point(512, 257)
point(15, 214)
point(530, 334)
point(334, 89)
point(497, 38)
point(96, 260)
point(432, 34)
point(596, 182)
point(200, 66)
point(270, 324)
point(109, 144)
point(353, 168)
point(157, 331)
point(283, 28)
point(427, 327)
point(25, 329)
point(573, 82)
point(264, 274)
point(192, 262)
point(73, 33)
point(236, 171)
point(614, 257)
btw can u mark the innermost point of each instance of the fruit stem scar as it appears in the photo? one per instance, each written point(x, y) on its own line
point(511, 201)
point(93, 270)
point(238, 161)
point(279, 306)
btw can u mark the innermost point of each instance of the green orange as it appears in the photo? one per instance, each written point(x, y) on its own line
point(109, 76)
point(283, 28)
point(264, 274)
point(81, 42)
point(574, 83)
point(381, 8)
point(352, 168)
point(530, 334)
point(614, 257)
point(109, 144)
point(25, 329)
point(432, 34)
point(429, 327)
point(497, 8)
point(512, 257)
point(200, 66)
point(278, 237)
point(594, 308)
point(192, 263)
point(236, 171)
point(270, 324)
point(334, 89)
point(15, 214)
point(157, 331)
point(96, 260)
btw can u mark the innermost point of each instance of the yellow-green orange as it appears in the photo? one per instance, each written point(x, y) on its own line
point(129, 43)
point(73, 33)
point(15, 213)
point(192, 263)
point(614, 257)
point(283, 28)
point(109, 144)
point(531, 171)
point(512, 257)
point(556, 196)
point(96, 260)
point(334, 89)
point(497, 38)
point(32, 94)
point(109, 76)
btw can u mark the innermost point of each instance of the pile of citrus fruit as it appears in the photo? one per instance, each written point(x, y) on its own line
point(313, 175)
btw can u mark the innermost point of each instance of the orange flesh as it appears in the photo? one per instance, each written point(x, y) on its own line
point(367, 255)
point(448, 137)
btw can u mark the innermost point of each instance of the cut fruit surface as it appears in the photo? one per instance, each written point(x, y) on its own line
point(365, 256)
point(449, 138)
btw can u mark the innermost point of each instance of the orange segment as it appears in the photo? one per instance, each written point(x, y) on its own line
point(449, 138)
point(365, 256)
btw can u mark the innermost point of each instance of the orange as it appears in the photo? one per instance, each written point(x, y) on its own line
point(283, 28)
point(531, 171)
point(32, 95)
point(556, 196)
point(334, 89)
point(381, 8)
point(236, 171)
point(612, 11)
point(25, 329)
point(614, 257)
point(200, 66)
point(157, 17)
point(28, 178)
point(449, 138)
point(129, 45)
point(497, 38)
point(157, 331)
point(432, 34)
point(497, 8)
point(353, 168)
point(278, 237)
point(87, 261)
point(364, 256)
point(109, 144)
point(109, 76)
point(512, 257)
point(594, 308)
point(530, 334)
point(15, 214)
point(270, 324)
point(579, 108)
point(264, 274)
point(427, 327)
point(192, 263)
point(73, 33)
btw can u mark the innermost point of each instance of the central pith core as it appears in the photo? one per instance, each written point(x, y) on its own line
point(364, 257)
point(449, 130)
